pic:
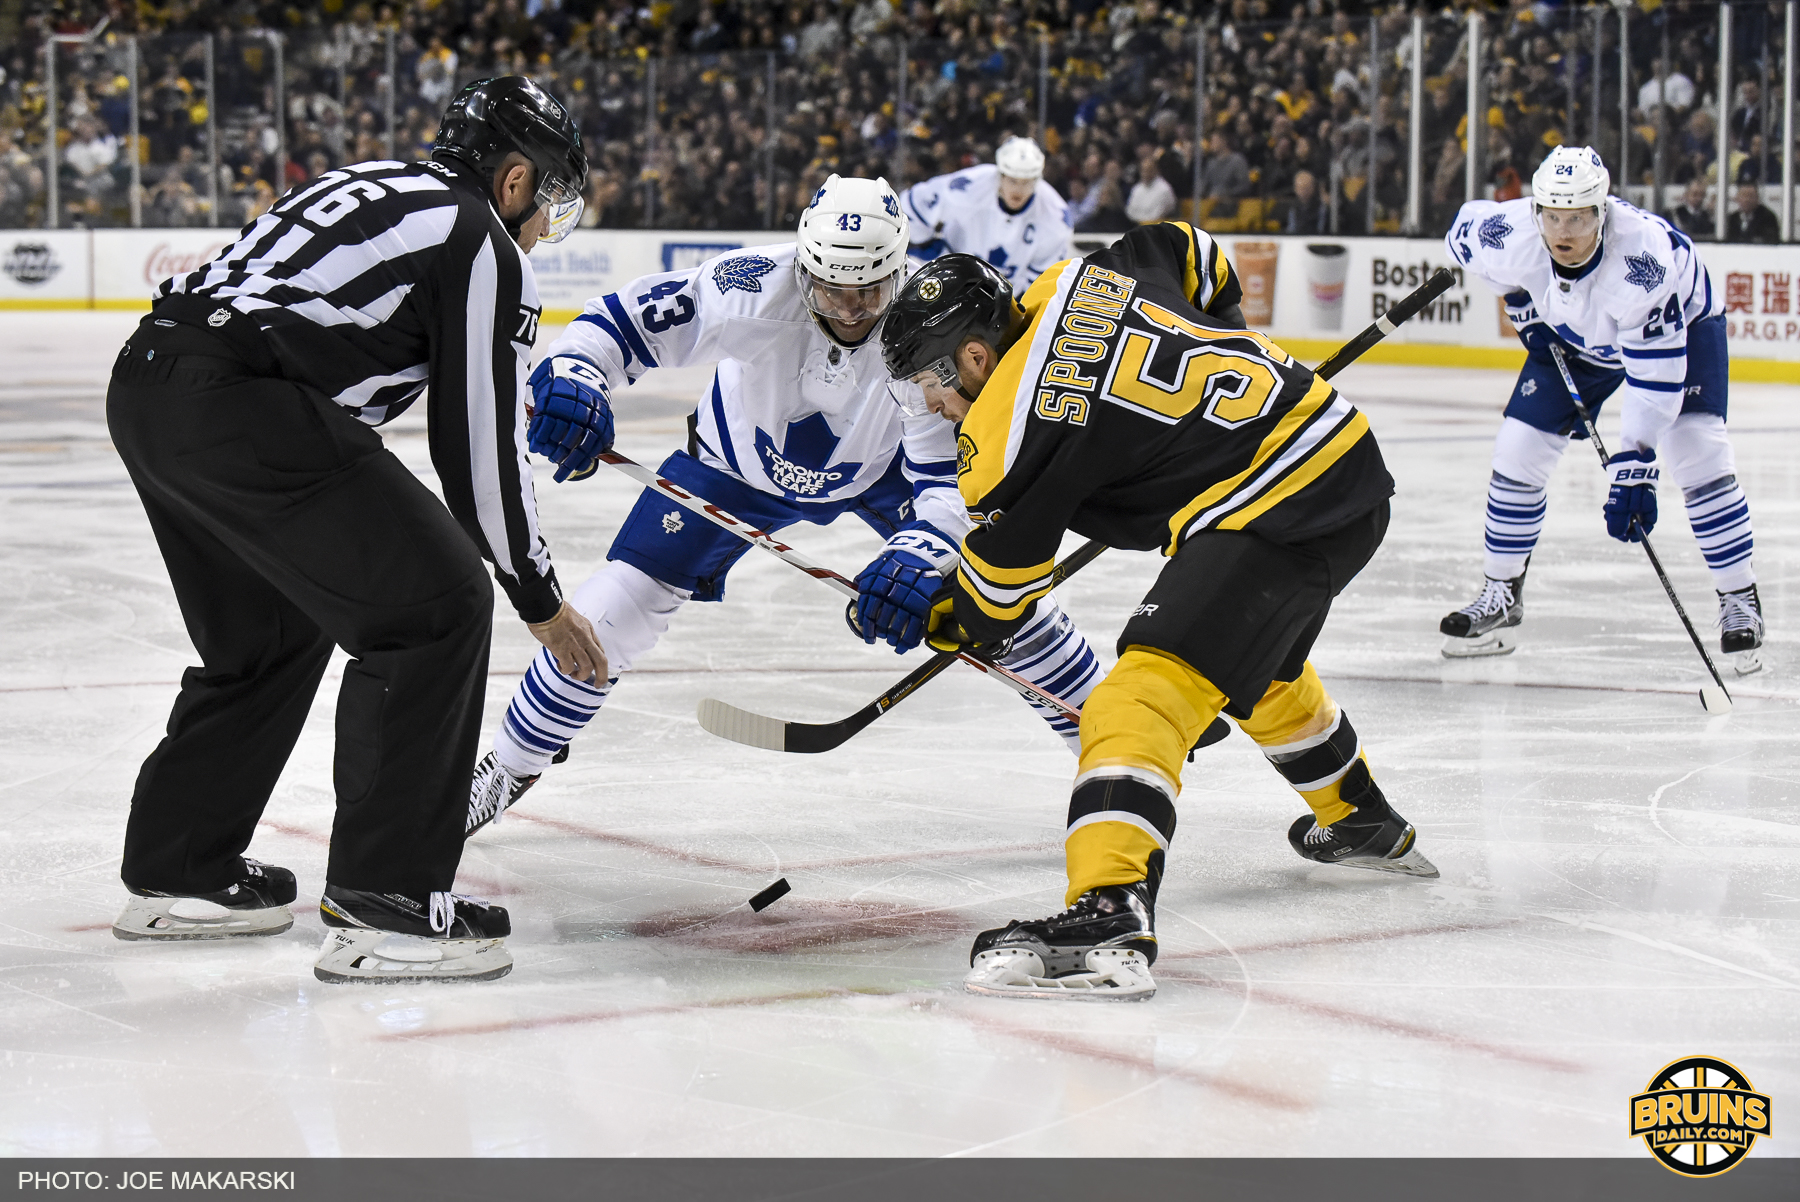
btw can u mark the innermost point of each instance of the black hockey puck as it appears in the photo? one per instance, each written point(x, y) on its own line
point(769, 896)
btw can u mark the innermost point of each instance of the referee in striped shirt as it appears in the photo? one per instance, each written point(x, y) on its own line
point(244, 407)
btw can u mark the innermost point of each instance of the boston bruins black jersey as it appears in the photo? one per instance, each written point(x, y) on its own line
point(1128, 414)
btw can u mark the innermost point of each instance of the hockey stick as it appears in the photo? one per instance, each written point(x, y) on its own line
point(779, 549)
point(1713, 701)
point(778, 734)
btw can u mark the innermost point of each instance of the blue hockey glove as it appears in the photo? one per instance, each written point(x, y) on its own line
point(895, 590)
point(571, 421)
point(1632, 495)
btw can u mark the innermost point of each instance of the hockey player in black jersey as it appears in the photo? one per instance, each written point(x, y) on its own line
point(1116, 403)
point(242, 407)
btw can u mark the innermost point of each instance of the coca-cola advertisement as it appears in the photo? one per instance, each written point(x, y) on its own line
point(166, 259)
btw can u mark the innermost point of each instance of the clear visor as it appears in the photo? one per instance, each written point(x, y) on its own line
point(562, 204)
point(909, 393)
point(848, 306)
point(1568, 225)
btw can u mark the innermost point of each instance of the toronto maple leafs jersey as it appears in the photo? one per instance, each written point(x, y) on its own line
point(790, 412)
point(961, 212)
point(1630, 306)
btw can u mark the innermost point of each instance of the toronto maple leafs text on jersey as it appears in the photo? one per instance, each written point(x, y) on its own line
point(790, 411)
point(1128, 414)
point(1630, 306)
point(961, 212)
point(374, 280)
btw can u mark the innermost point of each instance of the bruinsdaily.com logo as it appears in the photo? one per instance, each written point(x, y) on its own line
point(1699, 1116)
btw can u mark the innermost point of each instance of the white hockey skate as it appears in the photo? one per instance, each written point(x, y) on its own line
point(256, 905)
point(1486, 625)
point(455, 938)
point(1098, 950)
point(1741, 629)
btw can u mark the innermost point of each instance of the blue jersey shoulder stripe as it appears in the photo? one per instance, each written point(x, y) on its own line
point(628, 330)
point(612, 332)
point(718, 408)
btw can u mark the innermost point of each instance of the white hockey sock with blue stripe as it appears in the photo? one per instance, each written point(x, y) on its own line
point(1719, 514)
point(1515, 519)
point(548, 709)
point(630, 611)
point(1053, 655)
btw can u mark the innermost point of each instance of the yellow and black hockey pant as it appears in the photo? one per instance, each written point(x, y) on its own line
point(1136, 729)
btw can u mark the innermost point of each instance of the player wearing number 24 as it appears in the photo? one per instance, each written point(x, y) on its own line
point(1119, 402)
point(1626, 298)
point(796, 426)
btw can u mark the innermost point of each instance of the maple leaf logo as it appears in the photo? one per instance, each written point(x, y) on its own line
point(743, 272)
point(1644, 271)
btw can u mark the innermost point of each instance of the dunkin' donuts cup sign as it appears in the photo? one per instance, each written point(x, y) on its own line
point(1256, 271)
point(1327, 263)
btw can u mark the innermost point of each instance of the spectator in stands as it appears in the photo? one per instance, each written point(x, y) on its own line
point(1304, 212)
point(1693, 216)
point(1752, 220)
point(1108, 216)
point(1225, 179)
point(1152, 199)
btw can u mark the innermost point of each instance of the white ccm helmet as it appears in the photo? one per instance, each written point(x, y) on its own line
point(852, 253)
point(1571, 177)
point(1020, 158)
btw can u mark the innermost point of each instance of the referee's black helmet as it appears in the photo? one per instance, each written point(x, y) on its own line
point(492, 117)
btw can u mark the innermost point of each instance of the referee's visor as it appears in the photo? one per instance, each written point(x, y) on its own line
point(562, 202)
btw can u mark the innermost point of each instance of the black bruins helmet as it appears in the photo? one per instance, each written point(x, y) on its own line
point(946, 301)
point(492, 117)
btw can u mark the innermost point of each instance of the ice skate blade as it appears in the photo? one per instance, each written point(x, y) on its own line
point(1747, 663)
point(1113, 975)
point(1501, 641)
point(1410, 864)
point(366, 955)
point(172, 919)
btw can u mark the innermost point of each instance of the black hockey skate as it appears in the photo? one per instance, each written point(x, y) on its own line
point(1484, 626)
point(1099, 949)
point(1741, 629)
point(256, 904)
point(493, 790)
point(1375, 836)
point(393, 937)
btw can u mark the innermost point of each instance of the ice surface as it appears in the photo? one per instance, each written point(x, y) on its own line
point(1621, 874)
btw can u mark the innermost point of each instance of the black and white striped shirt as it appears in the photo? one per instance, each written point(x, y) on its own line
point(377, 279)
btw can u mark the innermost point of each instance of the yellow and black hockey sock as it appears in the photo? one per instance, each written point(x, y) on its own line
point(1311, 743)
point(1136, 729)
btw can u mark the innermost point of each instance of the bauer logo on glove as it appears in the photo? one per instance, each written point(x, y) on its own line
point(571, 421)
point(1631, 501)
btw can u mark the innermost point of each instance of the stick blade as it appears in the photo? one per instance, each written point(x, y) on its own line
point(1715, 700)
point(742, 726)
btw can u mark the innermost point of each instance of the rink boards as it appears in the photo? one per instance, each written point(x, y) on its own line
point(1310, 293)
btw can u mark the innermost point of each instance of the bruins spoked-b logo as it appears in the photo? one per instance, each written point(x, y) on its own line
point(1699, 1116)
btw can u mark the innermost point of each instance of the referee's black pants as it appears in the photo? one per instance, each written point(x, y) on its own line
point(287, 528)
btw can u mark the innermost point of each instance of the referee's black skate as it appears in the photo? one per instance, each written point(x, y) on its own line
point(256, 904)
point(1485, 625)
point(1099, 949)
point(1375, 836)
point(493, 790)
point(393, 937)
point(1741, 629)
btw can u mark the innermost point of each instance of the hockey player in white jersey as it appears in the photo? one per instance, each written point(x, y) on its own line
point(1630, 302)
point(798, 426)
point(1002, 211)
